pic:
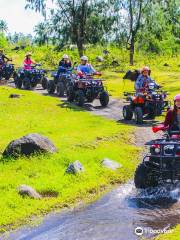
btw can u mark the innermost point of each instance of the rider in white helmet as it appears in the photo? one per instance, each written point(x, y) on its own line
point(65, 62)
point(85, 67)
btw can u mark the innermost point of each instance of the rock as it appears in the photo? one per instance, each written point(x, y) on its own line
point(14, 96)
point(108, 163)
point(115, 63)
point(29, 144)
point(106, 52)
point(99, 59)
point(75, 168)
point(25, 190)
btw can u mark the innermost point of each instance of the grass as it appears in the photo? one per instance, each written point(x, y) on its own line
point(170, 236)
point(67, 128)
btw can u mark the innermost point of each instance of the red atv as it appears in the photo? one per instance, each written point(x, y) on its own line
point(148, 103)
point(86, 88)
point(162, 163)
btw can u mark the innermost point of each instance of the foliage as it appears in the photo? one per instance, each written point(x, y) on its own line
point(3, 26)
point(3, 41)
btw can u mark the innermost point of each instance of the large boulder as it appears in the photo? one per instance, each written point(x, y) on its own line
point(25, 190)
point(110, 164)
point(29, 144)
point(75, 168)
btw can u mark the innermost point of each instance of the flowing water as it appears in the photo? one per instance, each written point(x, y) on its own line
point(114, 217)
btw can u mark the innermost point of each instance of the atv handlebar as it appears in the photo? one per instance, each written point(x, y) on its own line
point(161, 127)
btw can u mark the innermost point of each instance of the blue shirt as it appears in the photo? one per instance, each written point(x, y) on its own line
point(88, 69)
point(142, 81)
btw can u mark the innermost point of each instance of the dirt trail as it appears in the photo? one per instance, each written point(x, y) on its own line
point(113, 111)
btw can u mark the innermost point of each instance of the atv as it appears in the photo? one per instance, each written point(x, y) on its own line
point(147, 104)
point(30, 78)
point(162, 163)
point(6, 71)
point(61, 79)
point(87, 88)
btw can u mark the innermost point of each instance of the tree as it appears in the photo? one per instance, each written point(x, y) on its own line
point(136, 9)
point(75, 21)
point(3, 26)
point(42, 31)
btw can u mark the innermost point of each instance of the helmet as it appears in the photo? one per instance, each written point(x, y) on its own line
point(28, 54)
point(84, 58)
point(177, 97)
point(65, 56)
point(145, 69)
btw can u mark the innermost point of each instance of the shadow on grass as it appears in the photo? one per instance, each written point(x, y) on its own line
point(146, 123)
point(73, 106)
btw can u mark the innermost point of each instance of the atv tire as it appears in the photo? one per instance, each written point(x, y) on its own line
point(7, 77)
point(44, 83)
point(51, 87)
point(18, 83)
point(127, 112)
point(60, 89)
point(27, 83)
point(138, 114)
point(70, 94)
point(104, 98)
point(144, 177)
point(80, 98)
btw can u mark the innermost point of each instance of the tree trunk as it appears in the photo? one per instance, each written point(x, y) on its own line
point(132, 51)
point(80, 47)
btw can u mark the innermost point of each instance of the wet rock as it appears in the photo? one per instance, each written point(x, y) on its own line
point(25, 190)
point(14, 96)
point(110, 164)
point(29, 144)
point(75, 168)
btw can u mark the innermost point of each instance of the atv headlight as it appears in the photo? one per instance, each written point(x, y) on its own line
point(169, 149)
point(157, 150)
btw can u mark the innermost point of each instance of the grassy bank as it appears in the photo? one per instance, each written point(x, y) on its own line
point(77, 135)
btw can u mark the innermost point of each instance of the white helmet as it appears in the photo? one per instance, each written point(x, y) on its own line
point(84, 58)
point(65, 56)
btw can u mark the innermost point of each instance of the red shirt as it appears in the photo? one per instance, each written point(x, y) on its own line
point(27, 63)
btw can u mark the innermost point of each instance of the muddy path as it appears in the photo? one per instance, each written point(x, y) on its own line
point(117, 214)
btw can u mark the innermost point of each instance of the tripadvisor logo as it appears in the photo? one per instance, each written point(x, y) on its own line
point(139, 231)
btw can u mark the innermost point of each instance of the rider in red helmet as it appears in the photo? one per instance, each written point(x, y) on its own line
point(172, 119)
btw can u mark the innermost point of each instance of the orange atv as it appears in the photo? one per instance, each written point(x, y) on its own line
point(147, 104)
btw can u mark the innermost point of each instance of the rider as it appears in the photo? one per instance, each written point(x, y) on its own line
point(172, 119)
point(28, 62)
point(85, 67)
point(65, 62)
point(144, 80)
point(3, 58)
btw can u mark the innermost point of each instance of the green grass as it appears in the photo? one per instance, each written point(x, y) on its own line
point(77, 134)
point(170, 236)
